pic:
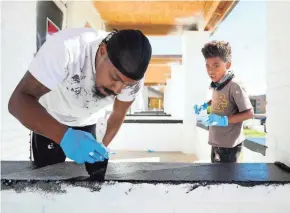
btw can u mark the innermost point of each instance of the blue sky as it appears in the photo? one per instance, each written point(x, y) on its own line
point(245, 28)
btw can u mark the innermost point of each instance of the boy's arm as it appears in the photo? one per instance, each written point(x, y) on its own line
point(241, 116)
point(242, 100)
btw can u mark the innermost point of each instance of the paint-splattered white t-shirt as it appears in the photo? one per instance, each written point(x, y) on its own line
point(66, 65)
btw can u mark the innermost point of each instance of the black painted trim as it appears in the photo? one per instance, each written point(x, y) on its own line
point(20, 175)
point(153, 121)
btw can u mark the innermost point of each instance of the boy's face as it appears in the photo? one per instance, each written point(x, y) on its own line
point(216, 68)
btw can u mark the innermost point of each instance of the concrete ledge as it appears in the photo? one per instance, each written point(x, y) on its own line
point(154, 115)
point(246, 174)
point(145, 187)
point(153, 121)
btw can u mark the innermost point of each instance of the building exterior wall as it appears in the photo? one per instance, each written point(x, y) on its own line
point(278, 85)
point(114, 197)
point(18, 48)
point(259, 103)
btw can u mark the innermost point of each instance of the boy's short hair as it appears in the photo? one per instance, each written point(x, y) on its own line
point(220, 49)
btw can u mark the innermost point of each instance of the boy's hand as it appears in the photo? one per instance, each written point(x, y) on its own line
point(198, 109)
point(214, 120)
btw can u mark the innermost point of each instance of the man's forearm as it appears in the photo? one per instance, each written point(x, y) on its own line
point(240, 117)
point(114, 123)
point(33, 116)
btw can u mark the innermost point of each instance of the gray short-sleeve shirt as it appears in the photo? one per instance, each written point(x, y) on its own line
point(230, 100)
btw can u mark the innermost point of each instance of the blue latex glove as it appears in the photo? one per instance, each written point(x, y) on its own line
point(82, 147)
point(198, 109)
point(214, 120)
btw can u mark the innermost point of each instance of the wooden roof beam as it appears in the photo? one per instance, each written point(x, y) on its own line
point(149, 30)
point(209, 9)
point(221, 12)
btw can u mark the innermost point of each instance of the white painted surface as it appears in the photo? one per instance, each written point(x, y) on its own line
point(144, 198)
point(174, 94)
point(167, 101)
point(252, 123)
point(278, 85)
point(203, 149)
point(142, 137)
point(139, 104)
point(150, 118)
point(249, 156)
point(195, 83)
point(17, 50)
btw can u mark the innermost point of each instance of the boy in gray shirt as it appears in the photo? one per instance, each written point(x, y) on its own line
point(230, 105)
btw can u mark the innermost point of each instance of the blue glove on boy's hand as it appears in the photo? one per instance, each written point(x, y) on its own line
point(214, 120)
point(82, 147)
point(198, 109)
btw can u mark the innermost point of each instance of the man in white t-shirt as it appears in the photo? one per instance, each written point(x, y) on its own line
point(76, 73)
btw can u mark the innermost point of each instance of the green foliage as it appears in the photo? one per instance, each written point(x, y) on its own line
point(253, 133)
point(208, 110)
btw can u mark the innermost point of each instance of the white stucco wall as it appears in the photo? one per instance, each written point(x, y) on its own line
point(174, 92)
point(143, 137)
point(168, 97)
point(18, 46)
point(195, 84)
point(202, 148)
point(144, 198)
point(278, 85)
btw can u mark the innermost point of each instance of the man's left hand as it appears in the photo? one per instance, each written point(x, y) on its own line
point(214, 120)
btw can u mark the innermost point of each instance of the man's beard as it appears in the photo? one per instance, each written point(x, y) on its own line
point(98, 93)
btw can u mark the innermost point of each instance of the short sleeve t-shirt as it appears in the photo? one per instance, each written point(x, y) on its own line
point(228, 101)
point(65, 64)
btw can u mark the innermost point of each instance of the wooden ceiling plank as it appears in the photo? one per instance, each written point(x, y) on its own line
point(147, 12)
point(161, 16)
